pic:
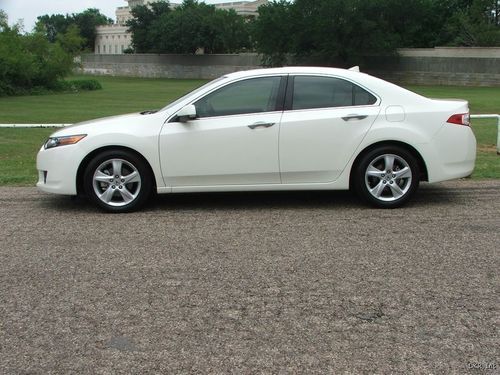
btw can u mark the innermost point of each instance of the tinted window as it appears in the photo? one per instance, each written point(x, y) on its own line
point(326, 92)
point(249, 96)
point(363, 97)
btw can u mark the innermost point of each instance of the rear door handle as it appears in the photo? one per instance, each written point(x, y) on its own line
point(258, 125)
point(354, 117)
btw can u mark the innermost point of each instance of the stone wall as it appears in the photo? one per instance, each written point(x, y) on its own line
point(168, 66)
point(444, 66)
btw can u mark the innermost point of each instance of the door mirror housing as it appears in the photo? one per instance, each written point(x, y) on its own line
point(187, 113)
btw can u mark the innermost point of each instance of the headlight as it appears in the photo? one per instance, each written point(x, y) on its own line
point(63, 141)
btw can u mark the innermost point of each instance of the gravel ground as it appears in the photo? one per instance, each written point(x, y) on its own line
point(265, 282)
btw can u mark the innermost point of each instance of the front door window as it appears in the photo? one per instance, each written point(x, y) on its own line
point(256, 95)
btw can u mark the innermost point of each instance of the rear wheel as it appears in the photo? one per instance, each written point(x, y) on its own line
point(386, 177)
point(118, 181)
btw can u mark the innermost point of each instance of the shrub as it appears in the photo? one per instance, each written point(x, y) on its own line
point(29, 62)
point(57, 87)
point(85, 85)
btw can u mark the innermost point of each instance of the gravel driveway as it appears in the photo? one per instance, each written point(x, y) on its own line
point(265, 282)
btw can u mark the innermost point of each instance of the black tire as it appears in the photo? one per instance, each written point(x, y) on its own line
point(382, 185)
point(125, 191)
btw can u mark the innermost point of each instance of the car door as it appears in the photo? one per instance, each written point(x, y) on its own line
point(233, 140)
point(324, 121)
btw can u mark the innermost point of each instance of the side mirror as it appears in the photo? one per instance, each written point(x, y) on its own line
point(187, 113)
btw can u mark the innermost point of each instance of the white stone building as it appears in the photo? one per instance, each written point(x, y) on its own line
point(114, 39)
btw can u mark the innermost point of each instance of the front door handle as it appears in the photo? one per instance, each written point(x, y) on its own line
point(354, 117)
point(258, 125)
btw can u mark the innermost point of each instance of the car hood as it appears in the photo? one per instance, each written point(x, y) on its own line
point(120, 121)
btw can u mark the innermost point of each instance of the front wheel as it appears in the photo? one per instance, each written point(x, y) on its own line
point(118, 181)
point(386, 177)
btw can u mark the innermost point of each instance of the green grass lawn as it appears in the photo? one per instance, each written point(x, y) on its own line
point(18, 147)
point(481, 99)
point(485, 100)
point(119, 95)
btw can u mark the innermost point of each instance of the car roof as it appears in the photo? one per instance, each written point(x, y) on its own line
point(292, 70)
point(377, 85)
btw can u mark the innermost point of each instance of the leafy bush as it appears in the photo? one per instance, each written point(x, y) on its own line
point(57, 87)
point(29, 63)
point(85, 85)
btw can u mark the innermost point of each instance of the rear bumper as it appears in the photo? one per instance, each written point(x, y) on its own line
point(451, 154)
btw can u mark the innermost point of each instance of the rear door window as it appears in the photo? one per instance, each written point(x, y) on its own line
point(325, 92)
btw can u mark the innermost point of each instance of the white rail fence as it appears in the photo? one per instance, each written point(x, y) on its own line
point(492, 116)
point(33, 125)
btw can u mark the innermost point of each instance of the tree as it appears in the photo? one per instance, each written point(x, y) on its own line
point(231, 32)
point(496, 12)
point(71, 40)
point(4, 20)
point(273, 32)
point(86, 21)
point(187, 29)
point(413, 23)
point(476, 24)
point(28, 61)
point(144, 20)
point(430, 23)
point(344, 32)
point(51, 25)
point(340, 31)
point(321, 31)
point(192, 26)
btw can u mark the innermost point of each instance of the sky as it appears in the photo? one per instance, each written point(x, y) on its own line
point(29, 10)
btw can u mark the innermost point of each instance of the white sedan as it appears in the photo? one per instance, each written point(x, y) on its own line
point(271, 129)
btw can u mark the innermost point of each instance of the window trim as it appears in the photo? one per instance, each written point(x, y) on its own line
point(280, 99)
point(291, 86)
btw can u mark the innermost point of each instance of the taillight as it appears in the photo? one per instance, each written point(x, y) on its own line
point(460, 119)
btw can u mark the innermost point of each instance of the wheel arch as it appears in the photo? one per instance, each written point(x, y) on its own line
point(86, 160)
point(421, 163)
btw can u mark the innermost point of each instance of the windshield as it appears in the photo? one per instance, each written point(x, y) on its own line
point(177, 101)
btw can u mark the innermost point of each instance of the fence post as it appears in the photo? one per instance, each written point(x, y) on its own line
point(498, 135)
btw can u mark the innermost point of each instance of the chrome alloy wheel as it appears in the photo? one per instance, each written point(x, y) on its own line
point(117, 182)
point(388, 177)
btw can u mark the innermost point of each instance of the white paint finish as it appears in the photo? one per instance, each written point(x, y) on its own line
point(316, 147)
point(316, 144)
point(451, 154)
point(395, 113)
point(61, 165)
point(221, 150)
point(134, 131)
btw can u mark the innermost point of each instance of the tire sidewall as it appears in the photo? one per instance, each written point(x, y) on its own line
point(142, 168)
point(360, 170)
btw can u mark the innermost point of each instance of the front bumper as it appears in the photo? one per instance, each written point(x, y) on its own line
point(57, 169)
